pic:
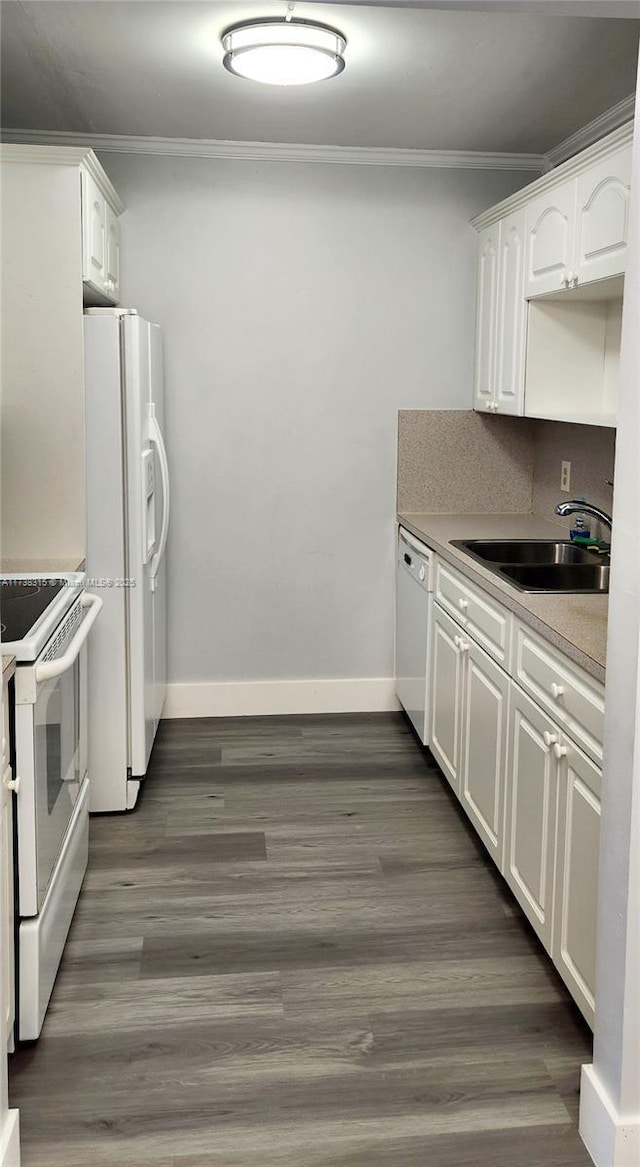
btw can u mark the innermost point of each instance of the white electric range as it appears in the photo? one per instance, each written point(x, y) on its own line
point(45, 622)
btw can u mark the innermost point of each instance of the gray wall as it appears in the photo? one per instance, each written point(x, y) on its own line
point(302, 306)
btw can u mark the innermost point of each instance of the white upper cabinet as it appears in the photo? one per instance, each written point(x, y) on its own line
point(550, 285)
point(100, 243)
point(511, 324)
point(577, 232)
point(112, 253)
point(550, 233)
point(500, 317)
point(486, 317)
point(602, 218)
point(94, 244)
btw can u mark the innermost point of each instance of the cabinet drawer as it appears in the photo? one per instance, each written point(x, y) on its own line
point(574, 699)
point(482, 617)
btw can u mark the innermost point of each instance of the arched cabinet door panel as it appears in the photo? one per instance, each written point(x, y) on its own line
point(550, 239)
point(603, 218)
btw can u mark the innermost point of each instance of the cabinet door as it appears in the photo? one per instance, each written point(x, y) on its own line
point(531, 811)
point(576, 898)
point(486, 317)
point(603, 218)
point(6, 911)
point(550, 240)
point(484, 740)
point(94, 245)
point(511, 316)
point(112, 259)
point(446, 695)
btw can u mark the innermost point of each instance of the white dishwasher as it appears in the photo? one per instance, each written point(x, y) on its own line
point(413, 617)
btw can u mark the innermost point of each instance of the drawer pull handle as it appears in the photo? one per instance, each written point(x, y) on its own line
point(556, 690)
point(559, 751)
point(549, 738)
point(463, 605)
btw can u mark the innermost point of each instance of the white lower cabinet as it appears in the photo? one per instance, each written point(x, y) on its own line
point(532, 794)
point(552, 842)
point(531, 812)
point(485, 695)
point(576, 882)
point(468, 734)
point(446, 695)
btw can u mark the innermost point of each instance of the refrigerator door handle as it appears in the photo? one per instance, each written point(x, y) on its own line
point(155, 435)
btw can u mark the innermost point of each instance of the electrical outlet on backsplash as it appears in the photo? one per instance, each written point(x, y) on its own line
point(590, 450)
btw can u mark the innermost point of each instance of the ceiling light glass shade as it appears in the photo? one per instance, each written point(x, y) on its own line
point(283, 52)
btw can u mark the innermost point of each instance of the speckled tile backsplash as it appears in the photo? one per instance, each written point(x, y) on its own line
point(458, 461)
point(590, 450)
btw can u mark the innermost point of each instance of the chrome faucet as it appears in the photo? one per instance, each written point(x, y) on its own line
point(584, 508)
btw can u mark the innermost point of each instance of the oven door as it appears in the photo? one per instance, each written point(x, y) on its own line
point(51, 754)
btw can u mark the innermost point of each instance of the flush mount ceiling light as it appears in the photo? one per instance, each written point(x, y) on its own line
point(283, 52)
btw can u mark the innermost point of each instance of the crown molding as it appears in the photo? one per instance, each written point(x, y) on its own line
point(279, 151)
point(65, 155)
point(608, 121)
point(566, 170)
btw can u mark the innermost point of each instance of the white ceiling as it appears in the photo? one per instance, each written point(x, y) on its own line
point(426, 79)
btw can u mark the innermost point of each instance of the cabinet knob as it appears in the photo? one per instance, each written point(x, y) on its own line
point(559, 751)
point(556, 690)
point(463, 605)
point(549, 738)
point(11, 784)
point(421, 574)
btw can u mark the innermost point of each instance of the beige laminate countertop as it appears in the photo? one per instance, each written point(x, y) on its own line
point(576, 624)
point(36, 566)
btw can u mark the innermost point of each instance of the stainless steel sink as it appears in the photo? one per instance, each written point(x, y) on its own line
point(526, 551)
point(541, 565)
point(558, 577)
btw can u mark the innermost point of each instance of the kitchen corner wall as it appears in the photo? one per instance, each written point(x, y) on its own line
point(302, 306)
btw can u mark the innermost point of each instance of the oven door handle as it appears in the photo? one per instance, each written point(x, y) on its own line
point(55, 668)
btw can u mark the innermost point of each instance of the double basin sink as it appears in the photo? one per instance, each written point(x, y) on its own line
point(541, 565)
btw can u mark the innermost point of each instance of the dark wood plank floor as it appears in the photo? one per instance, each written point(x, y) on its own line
point(295, 952)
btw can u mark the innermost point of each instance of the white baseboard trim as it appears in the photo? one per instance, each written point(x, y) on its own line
point(10, 1140)
point(265, 698)
point(610, 1141)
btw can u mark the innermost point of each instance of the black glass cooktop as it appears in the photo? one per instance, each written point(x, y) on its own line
point(22, 603)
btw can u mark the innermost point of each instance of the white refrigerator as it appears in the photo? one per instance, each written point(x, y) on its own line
point(127, 526)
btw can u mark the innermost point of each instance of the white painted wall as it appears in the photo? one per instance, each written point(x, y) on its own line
point(610, 1097)
point(302, 306)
